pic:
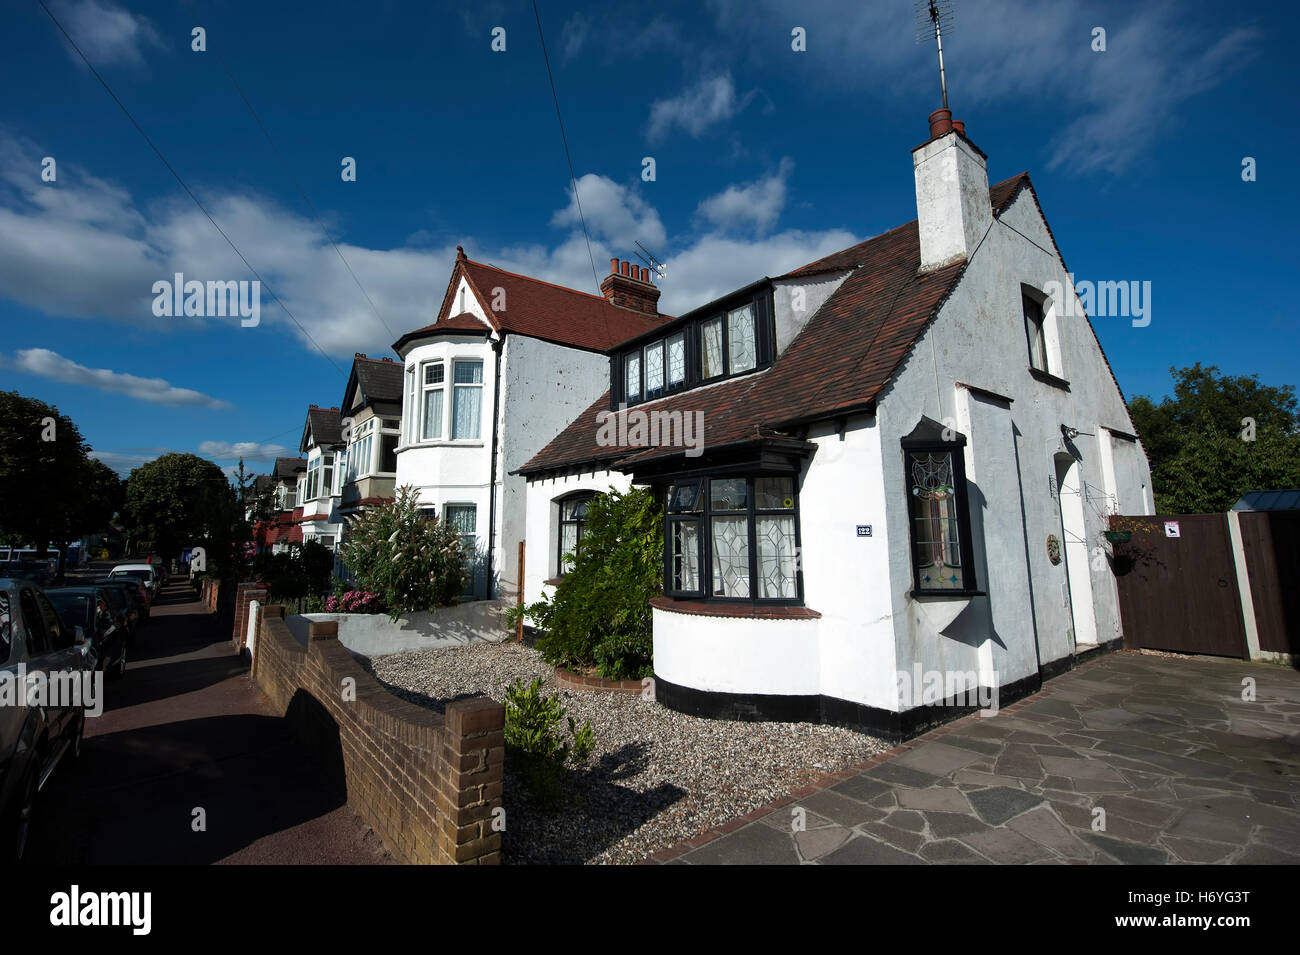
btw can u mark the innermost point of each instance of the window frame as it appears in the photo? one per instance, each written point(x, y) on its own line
point(570, 498)
point(1038, 331)
point(703, 520)
point(450, 406)
point(423, 387)
point(965, 544)
point(691, 334)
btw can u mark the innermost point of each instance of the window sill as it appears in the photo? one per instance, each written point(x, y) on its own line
point(712, 608)
point(1049, 379)
point(441, 443)
point(946, 594)
point(552, 581)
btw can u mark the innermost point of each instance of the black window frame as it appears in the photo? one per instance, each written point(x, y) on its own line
point(763, 305)
point(572, 498)
point(966, 547)
point(703, 520)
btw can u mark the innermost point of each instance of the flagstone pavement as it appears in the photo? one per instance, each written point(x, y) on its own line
point(1130, 758)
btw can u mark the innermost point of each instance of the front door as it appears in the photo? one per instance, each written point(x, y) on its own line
point(1076, 585)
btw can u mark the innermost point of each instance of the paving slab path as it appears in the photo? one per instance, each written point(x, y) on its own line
point(1130, 758)
point(187, 729)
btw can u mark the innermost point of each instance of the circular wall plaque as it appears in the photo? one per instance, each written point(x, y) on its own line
point(1053, 549)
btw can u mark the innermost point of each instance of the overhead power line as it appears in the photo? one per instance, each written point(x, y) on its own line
point(188, 191)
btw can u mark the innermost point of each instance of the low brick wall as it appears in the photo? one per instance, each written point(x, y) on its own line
point(569, 680)
point(426, 783)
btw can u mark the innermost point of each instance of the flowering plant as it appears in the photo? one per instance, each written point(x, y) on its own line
point(354, 601)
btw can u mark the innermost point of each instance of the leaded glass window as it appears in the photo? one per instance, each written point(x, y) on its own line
point(433, 392)
point(632, 375)
point(711, 349)
point(936, 537)
point(741, 345)
point(676, 360)
point(654, 370)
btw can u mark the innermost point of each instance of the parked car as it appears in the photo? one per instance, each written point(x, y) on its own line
point(34, 738)
point(148, 576)
point(136, 592)
point(120, 598)
point(88, 608)
point(160, 566)
point(37, 571)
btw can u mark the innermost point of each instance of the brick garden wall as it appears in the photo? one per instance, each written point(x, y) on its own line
point(427, 783)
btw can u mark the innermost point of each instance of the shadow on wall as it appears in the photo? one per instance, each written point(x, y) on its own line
point(375, 635)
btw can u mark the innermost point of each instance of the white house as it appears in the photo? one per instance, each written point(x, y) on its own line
point(909, 449)
point(320, 488)
point(509, 363)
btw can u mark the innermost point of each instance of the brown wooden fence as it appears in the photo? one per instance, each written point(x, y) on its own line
point(1179, 587)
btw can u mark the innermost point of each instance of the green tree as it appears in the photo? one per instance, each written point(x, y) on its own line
point(179, 499)
point(1217, 437)
point(411, 560)
point(600, 614)
point(44, 467)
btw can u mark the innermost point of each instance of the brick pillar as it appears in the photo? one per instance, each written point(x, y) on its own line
point(245, 594)
point(472, 782)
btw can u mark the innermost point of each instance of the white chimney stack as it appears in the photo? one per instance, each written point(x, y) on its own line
point(952, 194)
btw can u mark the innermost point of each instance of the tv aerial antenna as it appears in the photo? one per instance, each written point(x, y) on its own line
point(652, 261)
point(934, 18)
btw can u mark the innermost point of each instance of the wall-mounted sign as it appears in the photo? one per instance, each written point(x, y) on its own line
point(864, 530)
point(1172, 529)
point(1053, 549)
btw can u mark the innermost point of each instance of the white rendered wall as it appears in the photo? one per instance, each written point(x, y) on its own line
point(737, 655)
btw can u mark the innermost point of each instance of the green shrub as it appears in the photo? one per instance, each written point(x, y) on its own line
point(536, 745)
point(599, 615)
point(411, 560)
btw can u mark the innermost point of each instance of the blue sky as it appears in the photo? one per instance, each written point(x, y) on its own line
point(765, 158)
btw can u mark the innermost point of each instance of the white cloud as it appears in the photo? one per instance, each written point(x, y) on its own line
point(106, 33)
point(248, 450)
point(755, 205)
point(48, 364)
point(613, 212)
point(123, 461)
point(710, 101)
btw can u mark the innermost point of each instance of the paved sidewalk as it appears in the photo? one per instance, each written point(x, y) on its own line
point(187, 729)
point(1184, 770)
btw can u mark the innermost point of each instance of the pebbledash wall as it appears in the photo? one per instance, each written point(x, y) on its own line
point(428, 784)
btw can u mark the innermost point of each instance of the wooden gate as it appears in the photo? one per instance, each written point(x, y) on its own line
point(1271, 543)
point(1179, 593)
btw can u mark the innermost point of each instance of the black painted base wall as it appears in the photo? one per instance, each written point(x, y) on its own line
point(887, 724)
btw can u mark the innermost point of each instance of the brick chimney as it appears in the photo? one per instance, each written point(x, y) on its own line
point(628, 286)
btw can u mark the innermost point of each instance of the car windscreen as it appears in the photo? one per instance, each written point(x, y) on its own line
point(74, 609)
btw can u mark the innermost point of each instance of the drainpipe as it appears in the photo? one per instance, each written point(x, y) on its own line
point(497, 343)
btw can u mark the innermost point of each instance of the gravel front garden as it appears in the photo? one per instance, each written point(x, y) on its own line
point(654, 778)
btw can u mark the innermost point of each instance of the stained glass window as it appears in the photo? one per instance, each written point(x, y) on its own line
point(936, 543)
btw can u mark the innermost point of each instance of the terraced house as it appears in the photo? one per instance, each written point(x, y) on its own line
point(321, 487)
point(509, 362)
point(909, 451)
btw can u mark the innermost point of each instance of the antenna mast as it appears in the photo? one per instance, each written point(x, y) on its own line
point(932, 18)
point(657, 268)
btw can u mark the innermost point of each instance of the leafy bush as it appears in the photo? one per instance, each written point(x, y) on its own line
point(411, 560)
point(535, 743)
point(600, 615)
point(354, 601)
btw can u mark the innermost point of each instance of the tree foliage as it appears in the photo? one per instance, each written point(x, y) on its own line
point(180, 499)
point(1217, 437)
point(413, 561)
point(600, 613)
point(53, 490)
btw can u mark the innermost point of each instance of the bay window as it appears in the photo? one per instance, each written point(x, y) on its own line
point(742, 530)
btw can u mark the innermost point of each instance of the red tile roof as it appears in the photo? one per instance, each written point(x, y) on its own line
point(535, 308)
point(838, 363)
